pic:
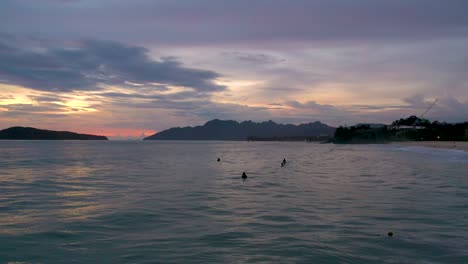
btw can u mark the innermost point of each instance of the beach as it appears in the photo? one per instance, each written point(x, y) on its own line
point(460, 145)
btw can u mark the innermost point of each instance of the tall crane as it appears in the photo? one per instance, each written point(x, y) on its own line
point(429, 108)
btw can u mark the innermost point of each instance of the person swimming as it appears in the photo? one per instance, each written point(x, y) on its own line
point(219, 159)
point(244, 176)
point(283, 163)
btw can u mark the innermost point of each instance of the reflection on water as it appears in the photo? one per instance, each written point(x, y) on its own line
point(146, 202)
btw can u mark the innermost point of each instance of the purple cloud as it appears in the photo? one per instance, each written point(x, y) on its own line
point(189, 22)
point(94, 63)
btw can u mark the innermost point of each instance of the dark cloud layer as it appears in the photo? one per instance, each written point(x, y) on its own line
point(212, 21)
point(253, 58)
point(94, 63)
point(24, 110)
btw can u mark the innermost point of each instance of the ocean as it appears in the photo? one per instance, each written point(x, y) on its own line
point(172, 202)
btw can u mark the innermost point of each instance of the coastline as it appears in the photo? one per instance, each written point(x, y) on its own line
point(459, 145)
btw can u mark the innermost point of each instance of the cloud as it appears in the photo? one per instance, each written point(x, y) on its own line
point(185, 95)
point(189, 107)
point(64, 1)
point(378, 107)
point(253, 58)
point(93, 64)
point(416, 101)
point(189, 22)
point(21, 110)
point(312, 105)
point(328, 60)
point(46, 98)
point(449, 109)
point(226, 111)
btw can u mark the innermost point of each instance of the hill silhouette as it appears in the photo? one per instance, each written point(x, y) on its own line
point(232, 130)
point(41, 134)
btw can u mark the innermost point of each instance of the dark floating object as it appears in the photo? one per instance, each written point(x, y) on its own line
point(244, 176)
point(219, 159)
point(283, 163)
point(390, 234)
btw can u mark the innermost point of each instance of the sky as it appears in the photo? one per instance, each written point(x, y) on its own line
point(125, 68)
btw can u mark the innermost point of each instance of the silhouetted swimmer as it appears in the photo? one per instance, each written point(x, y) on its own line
point(282, 164)
point(390, 234)
point(244, 176)
point(284, 161)
point(219, 159)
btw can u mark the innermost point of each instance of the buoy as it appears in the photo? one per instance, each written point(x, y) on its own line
point(244, 176)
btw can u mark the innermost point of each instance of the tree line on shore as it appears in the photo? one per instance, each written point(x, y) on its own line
point(412, 128)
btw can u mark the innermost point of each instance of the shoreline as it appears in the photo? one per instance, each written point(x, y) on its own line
point(458, 145)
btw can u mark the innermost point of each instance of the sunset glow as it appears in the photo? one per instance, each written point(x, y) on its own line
point(124, 78)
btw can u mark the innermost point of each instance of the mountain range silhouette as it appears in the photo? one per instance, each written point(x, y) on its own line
point(232, 130)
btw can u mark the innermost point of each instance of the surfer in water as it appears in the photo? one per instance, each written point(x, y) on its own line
point(244, 176)
point(283, 163)
point(219, 159)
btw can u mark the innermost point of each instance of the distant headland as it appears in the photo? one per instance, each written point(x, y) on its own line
point(30, 133)
point(232, 130)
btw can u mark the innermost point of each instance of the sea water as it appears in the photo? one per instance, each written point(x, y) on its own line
point(172, 202)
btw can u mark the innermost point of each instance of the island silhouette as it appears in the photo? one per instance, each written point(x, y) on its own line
point(30, 133)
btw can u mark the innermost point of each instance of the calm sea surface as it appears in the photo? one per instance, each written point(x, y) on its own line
point(171, 202)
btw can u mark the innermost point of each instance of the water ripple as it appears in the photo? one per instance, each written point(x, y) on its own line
point(171, 202)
